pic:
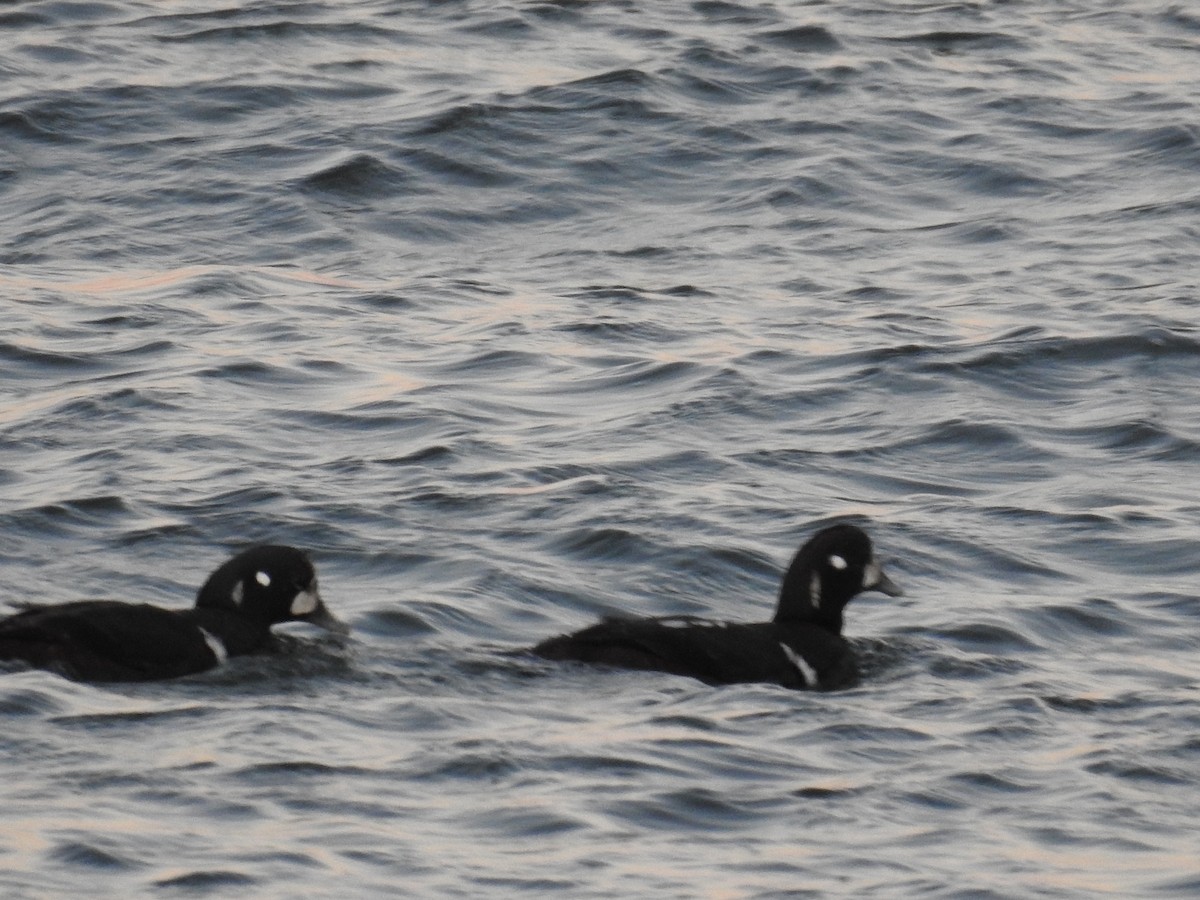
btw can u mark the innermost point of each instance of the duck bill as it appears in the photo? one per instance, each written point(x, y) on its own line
point(875, 579)
point(323, 618)
point(307, 606)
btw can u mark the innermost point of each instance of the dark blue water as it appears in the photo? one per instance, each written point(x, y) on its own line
point(518, 314)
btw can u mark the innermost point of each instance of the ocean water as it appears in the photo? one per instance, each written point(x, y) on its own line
point(516, 314)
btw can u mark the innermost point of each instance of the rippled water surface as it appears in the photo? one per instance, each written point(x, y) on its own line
point(519, 314)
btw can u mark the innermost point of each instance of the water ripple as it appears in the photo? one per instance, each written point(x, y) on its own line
point(516, 316)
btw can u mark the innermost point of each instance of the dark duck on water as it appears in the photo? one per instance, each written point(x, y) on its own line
point(802, 647)
point(108, 640)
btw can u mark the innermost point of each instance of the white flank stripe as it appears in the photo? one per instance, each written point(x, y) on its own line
point(215, 645)
point(807, 672)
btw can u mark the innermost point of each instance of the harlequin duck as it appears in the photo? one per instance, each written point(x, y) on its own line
point(802, 647)
point(107, 640)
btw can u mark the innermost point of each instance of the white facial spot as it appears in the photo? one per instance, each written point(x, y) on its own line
point(807, 672)
point(837, 562)
point(814, 590)
point(215, 645)
point(237, 593)
point(871, 575)
point(263, 578)
point(305, 602)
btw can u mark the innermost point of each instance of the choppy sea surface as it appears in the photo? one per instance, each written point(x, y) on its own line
point(517, 314)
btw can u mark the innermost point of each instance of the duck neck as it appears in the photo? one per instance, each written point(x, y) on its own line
point(801, 600)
